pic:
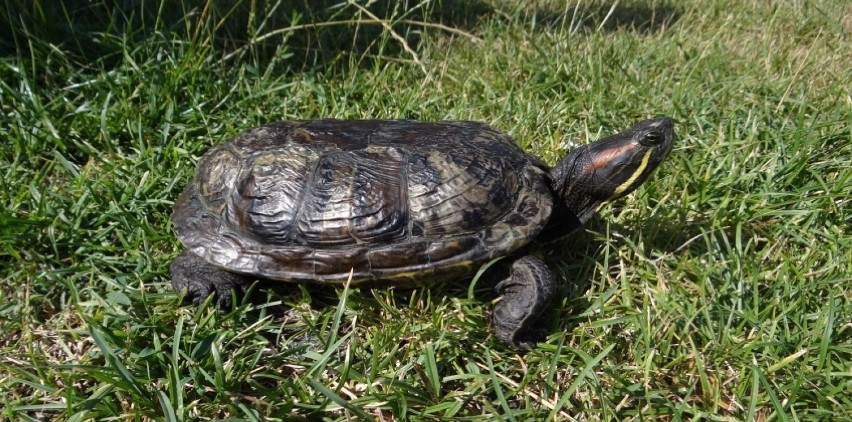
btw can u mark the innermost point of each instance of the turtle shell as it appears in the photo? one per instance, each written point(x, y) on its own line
point(399, 203)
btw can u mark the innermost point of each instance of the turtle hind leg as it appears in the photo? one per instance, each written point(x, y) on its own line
point(199, 279)
point(526, 292)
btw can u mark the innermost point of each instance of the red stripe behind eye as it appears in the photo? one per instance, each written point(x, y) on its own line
point(605, 158)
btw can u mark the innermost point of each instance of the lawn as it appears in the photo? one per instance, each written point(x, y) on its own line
point(720, 290)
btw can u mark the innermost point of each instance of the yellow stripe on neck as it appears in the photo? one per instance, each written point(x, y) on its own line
point(638, 172)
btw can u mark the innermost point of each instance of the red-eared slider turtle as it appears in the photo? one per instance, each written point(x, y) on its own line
point(396, 203)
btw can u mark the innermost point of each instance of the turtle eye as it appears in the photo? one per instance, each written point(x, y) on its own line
point(653, 138)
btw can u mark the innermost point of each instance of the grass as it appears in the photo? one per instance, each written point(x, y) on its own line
point(718, 291)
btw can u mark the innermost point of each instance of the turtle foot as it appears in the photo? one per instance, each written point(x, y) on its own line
point(526, 293)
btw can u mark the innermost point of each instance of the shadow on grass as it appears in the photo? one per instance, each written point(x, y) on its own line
point(307, 34)
point(638, 16)
point(573, 269)
point(312, 33)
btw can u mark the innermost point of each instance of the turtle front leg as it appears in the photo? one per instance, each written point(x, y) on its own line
point(526, 292)
point(200, 279)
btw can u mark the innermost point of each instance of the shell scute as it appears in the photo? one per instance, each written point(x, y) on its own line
point(459, 193)
point(217, 174)
point(264, 203)
point(356, 197)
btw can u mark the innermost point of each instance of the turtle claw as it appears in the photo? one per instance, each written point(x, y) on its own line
point(529, 340)
point(199, 279)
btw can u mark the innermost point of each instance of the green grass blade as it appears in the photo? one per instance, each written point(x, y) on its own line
point(498, 390)
point(586, 373)
point(331, 395)
point(432, 370)
point(166, 406)
point(125, 378)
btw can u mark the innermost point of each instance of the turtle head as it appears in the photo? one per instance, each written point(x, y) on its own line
point(612, 167)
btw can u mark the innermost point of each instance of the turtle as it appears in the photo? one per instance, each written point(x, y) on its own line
point(397, 203)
